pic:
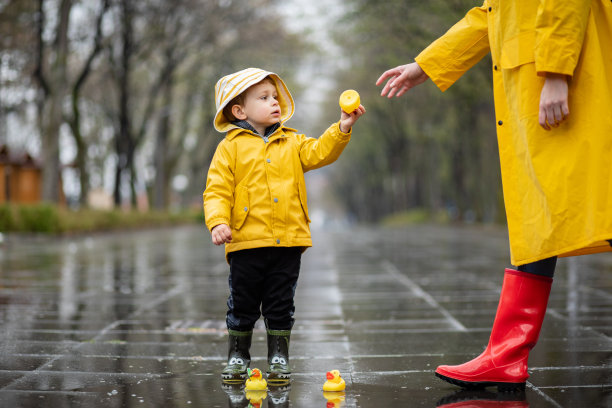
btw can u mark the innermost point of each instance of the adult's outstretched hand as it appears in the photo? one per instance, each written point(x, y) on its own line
point(401, 79)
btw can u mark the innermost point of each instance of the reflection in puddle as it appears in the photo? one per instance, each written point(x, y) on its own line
point(279, 396)
point(235, 394)
point(238, 397)
point(484, 399)
point(256, 397)
point(335, 399)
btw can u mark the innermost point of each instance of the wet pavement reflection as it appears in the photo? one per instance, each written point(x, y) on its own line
point(138, 319)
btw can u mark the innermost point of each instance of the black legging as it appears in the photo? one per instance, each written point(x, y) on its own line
point(544, 267)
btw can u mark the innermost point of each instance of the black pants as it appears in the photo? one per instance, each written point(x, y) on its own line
point(544, 267)
point(263, 281)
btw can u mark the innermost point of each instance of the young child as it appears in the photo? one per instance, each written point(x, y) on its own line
point(255, 204)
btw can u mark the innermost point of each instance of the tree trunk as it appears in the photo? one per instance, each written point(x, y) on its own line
point(52, 110)
point(81, 155)
point(75, 120)
point(160, 160)
point(123, 139)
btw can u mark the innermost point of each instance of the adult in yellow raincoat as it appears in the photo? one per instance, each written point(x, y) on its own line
point(552, 82)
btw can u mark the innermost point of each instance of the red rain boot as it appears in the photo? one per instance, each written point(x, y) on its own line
point(522, 305)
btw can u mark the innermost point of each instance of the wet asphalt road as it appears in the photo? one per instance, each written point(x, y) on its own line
point(137, 320)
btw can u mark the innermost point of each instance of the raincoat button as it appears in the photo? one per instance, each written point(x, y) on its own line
point(268, 160)
point(500, 123)
point(276, 200)
point(246, 209)
point(278, 241)
point(495, 67)
point(490, 8)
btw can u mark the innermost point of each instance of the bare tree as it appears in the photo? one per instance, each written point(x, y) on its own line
point(161, 59)
point(16, 55)
point(53, 84)
point(124, 140)
point(75, 119)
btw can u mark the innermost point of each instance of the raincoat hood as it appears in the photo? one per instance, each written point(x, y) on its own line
point(230, 86)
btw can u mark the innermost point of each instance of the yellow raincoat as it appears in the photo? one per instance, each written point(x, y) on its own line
point(258, 188)
point(557, 184)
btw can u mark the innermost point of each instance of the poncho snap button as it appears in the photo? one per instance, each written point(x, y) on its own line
point(500, 123)
point(246, 208)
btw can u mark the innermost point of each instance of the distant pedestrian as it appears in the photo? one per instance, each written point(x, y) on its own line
point(552, 82)
point(255, 204)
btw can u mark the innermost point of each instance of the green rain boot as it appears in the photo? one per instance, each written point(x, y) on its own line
point(278, 356)
point(238, 357)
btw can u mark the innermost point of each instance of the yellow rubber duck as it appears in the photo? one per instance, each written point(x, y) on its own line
point(255, 382)
point(334, 381)
point(349, 101)
point(256, 397)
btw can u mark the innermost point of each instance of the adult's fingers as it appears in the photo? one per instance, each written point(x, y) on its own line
point(387, 74)
point(542, 119)
point(402, 90)
point(389, 89)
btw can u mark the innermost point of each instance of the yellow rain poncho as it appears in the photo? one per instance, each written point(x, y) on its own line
point(557, 184)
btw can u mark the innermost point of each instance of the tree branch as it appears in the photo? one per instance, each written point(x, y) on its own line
point(95, 51)
point(39, 74)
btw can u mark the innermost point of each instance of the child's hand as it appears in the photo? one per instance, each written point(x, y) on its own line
point(347, 120)
point(221, 234)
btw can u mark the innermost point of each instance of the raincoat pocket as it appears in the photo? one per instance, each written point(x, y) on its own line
point(522, 84)
point(303, 200)
point(518, 51)
point(241, 207)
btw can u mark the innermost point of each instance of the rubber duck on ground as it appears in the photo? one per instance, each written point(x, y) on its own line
point(334, 381)
point(255, 382)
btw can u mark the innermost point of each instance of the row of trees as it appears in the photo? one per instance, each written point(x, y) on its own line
point(130, 81)
point(425, 149)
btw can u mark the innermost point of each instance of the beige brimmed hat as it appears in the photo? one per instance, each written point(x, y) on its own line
point(230, 86)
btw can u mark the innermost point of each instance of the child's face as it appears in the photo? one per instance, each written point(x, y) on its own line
point(261, 108)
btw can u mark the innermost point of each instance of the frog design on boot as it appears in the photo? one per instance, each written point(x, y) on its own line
point(278, 356)
point(238, 357)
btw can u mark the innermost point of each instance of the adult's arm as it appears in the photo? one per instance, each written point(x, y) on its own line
point(560, 29)
point(559, 36)
point(460, 48)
